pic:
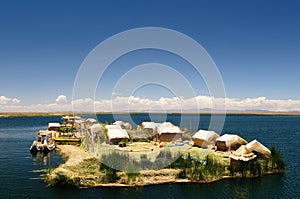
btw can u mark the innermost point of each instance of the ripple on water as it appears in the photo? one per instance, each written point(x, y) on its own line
point(16, 163)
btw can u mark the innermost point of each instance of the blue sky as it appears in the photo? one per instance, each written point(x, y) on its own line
point(255, 44)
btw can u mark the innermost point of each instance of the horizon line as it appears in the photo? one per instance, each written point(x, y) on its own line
point(57, 113)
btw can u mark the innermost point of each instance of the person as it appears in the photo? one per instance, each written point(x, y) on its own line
point(189, 155)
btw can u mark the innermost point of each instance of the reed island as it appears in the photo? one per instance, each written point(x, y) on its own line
point(153, 153)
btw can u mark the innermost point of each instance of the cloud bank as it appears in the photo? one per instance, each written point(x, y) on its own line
point(8, 101)
point(137, 104)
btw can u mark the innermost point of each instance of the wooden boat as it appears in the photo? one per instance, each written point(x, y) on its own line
point(43, 142)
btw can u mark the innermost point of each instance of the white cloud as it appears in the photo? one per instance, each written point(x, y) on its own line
point(61, 99)
point(7, 101)
point(262, 103)
point(134, 103)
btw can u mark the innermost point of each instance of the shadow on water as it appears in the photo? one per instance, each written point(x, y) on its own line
point(42, 159)
point(17, 164)
point(262, 187)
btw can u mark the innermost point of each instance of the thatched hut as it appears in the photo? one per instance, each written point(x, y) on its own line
point(204, 138)
point(115, 134)
point(94, 132)
point(91, 121)
point(258, 148)
point(80, 126)
point(143, 124)
point(95, 128)
point(167, 132)
point(151, 128)
point(229, 142)
point(163, 132)
point(124, 125)
point(241, 155)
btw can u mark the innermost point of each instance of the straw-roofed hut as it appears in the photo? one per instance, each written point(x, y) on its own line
point(229, 142)
point(115, 134)
point(124, 125)
point(80, 126)
point(167, 132)
point(241, 155)
point(95, 128)
point(151, 128)
point(91, 120)
point(204, 138)
point(258, 148)
point(143, 124)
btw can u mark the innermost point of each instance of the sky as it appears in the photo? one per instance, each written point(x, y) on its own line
point(254, 44)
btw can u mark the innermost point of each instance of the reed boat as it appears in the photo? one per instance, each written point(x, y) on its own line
point(43, 142)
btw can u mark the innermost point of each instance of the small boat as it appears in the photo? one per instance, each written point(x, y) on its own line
point(43, 142)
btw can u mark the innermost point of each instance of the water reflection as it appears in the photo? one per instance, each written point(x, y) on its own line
point(42, 159)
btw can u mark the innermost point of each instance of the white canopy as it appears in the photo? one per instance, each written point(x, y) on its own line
point(67, 117)
point(54, 124)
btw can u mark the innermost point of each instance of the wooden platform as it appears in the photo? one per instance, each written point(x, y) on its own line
point(68, 141)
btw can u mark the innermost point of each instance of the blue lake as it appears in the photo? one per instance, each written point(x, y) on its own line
point(19, 181)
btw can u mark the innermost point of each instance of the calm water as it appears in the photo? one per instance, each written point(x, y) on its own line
point(19, 181)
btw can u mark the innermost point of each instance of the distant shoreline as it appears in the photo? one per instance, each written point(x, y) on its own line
point(32, 114)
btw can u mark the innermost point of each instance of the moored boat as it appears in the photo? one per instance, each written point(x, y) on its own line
point(43, 142)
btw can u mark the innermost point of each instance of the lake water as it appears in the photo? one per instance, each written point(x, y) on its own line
point(17, 179)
